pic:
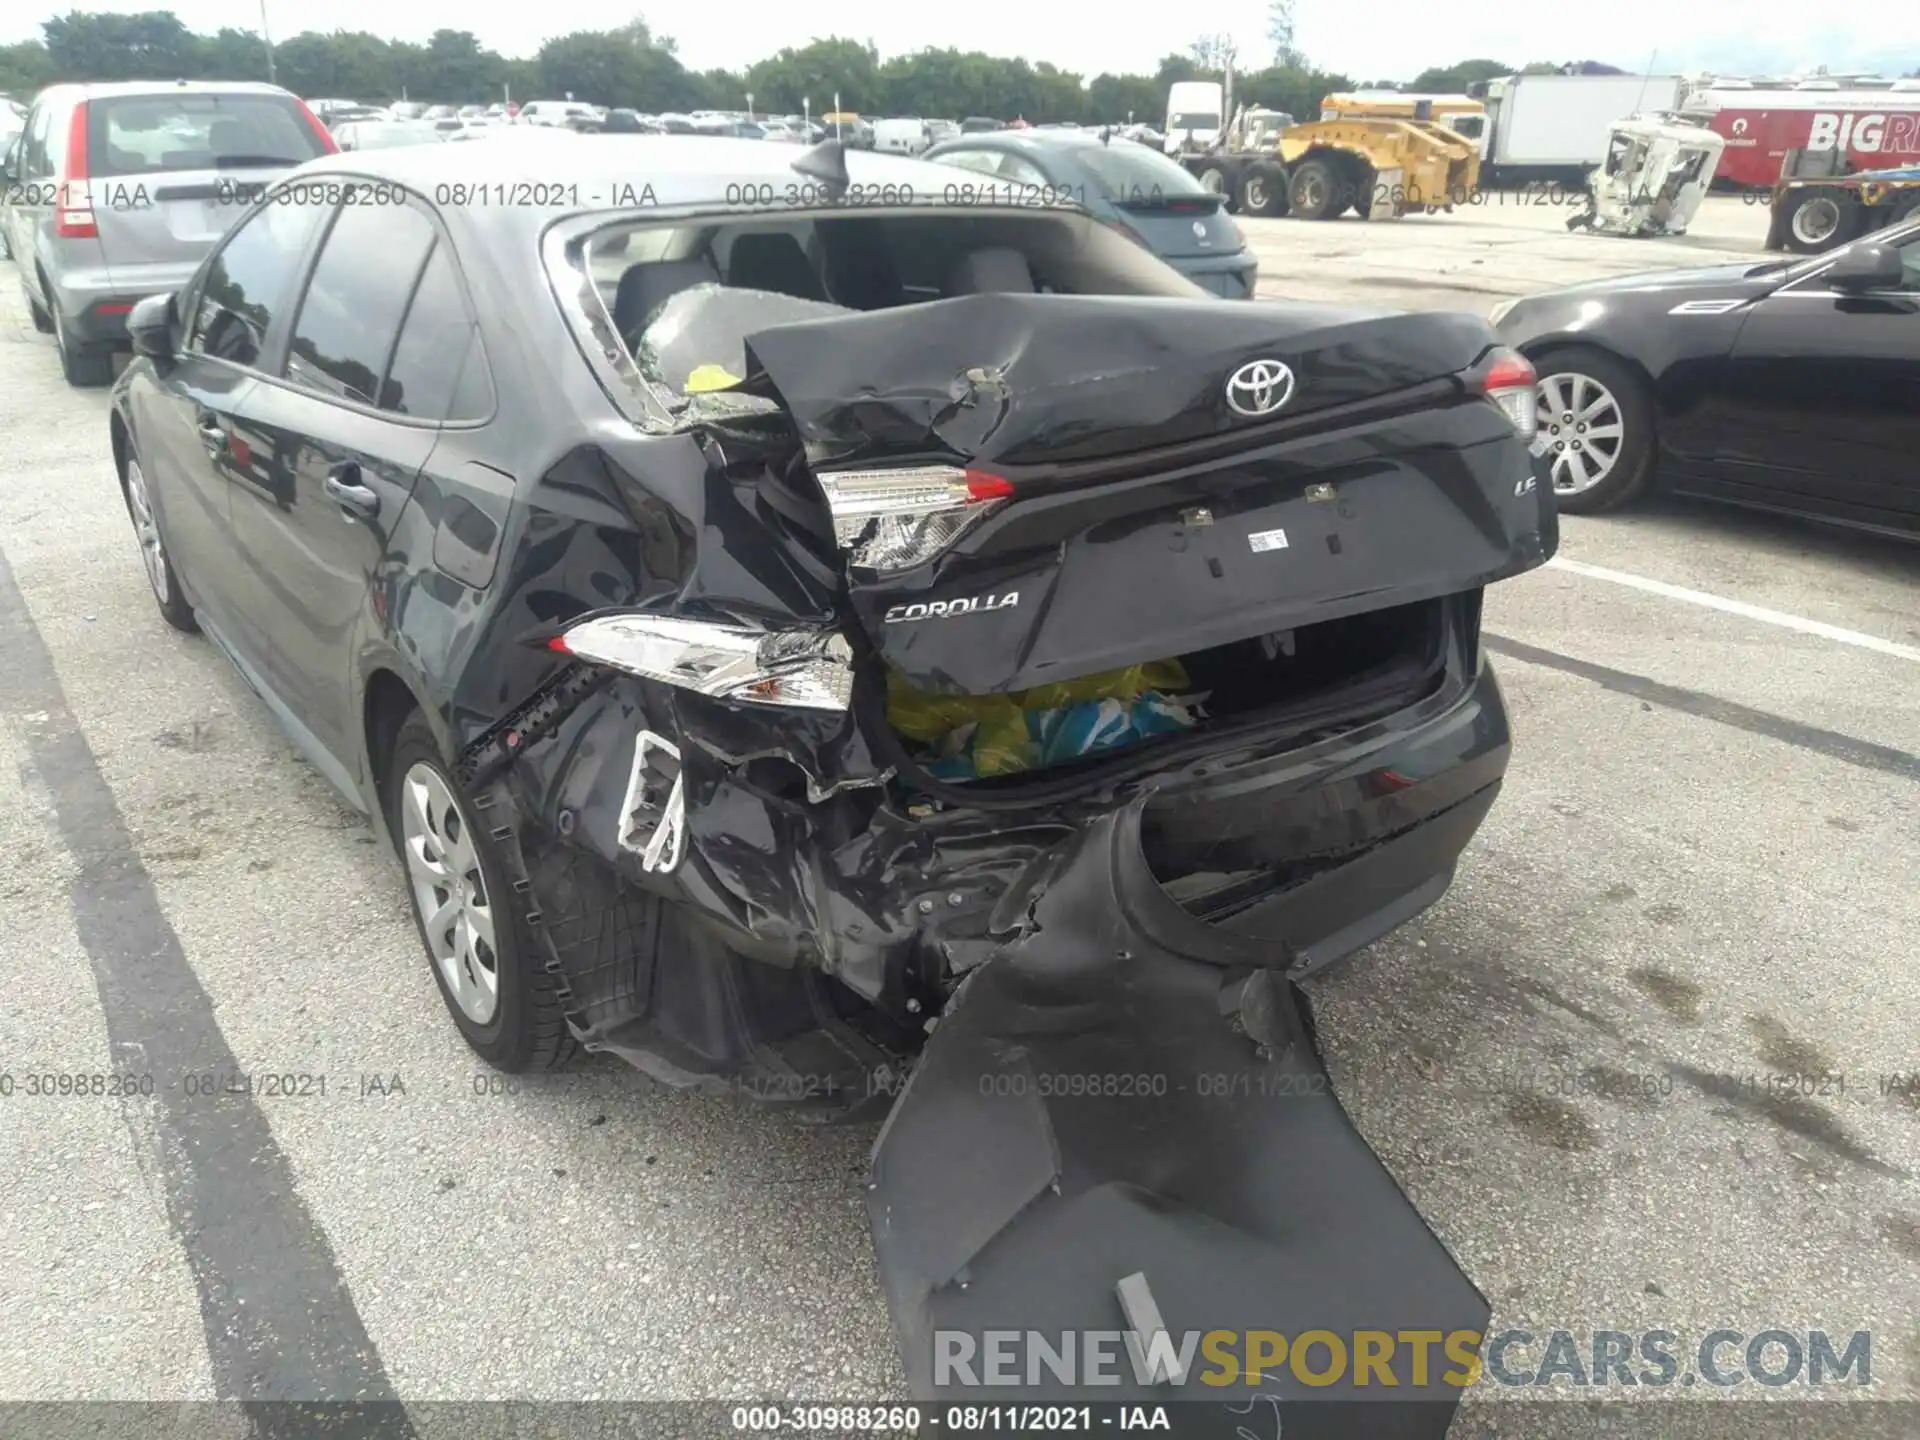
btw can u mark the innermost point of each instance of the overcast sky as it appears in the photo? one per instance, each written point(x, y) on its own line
point(1368, 39)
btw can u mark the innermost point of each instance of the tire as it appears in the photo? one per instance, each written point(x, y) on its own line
point(42, 321)
point(1263, 190)
point(85, 366)
point(1568, 381)
point(1361, 201)
point(1315, 192)
point(510, 1013)
point(1819, 220)
point(1214, 178)
point(162, 578)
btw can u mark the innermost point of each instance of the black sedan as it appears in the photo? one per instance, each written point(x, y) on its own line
point(1135, 191)
point(761, 652)
point(1791, 386)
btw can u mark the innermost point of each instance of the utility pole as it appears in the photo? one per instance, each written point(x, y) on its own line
point(268, 38)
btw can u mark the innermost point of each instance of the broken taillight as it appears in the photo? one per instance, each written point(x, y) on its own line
point(808, 669)
point(1507, 378)
point(896, 519)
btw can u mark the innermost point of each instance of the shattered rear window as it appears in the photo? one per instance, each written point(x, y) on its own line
point(696, 341)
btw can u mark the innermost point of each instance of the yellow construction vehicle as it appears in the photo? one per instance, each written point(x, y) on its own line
point(1380, 156)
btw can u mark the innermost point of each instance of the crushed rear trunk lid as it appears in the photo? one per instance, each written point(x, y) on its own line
point(1028, 488)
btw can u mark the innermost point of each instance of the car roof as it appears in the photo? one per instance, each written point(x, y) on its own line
point(1041, 140)
point(106, 89)
point(681, 169)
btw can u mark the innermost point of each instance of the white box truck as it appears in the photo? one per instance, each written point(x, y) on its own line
point(1196, 111)
point(1557, 127)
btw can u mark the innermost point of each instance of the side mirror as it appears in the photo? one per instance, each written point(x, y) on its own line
point(10, 167)
point(150, 326)
point(1869, 265)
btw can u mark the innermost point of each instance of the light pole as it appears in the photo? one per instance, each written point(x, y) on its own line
point(268, 38)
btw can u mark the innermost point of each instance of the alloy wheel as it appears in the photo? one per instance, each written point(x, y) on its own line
point(1581, 428)
point(1313, 192)
point(449, 892)
point(153, 554)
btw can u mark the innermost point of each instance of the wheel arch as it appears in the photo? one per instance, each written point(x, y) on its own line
point(121, 440)
point(388, 697)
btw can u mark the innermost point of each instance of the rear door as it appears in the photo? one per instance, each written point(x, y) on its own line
point(342, 432)
point(170, 172)
point(1823, 401)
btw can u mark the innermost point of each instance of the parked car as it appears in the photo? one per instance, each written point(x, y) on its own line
point(901, 136)
point(561, 114)
point(406, 109)
point(695, 719)
point(120, 190)
point(1136, 191)
point(980, 125)
point(1787, 386)
point(627, 122)
point(385, 134)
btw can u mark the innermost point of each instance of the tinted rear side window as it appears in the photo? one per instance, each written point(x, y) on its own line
point(439, 370)
point(187, 130)
point(351, 312)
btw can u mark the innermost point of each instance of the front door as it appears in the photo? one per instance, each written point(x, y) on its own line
point(1823, 401)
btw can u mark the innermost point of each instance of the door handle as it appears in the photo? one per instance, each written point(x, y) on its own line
point(343, 485)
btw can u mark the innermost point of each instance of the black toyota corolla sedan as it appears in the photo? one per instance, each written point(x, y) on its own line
point(807, 630)
point(1789, 385)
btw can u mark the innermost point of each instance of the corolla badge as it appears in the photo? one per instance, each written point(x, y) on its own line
point(1259, 387)
point(947, 609)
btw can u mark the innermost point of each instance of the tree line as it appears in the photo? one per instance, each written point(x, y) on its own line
point(632, 66)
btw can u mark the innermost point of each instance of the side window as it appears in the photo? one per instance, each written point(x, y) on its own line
point(247, 283)
point(1013, 168)
point(34, 164)
point(351, 312)
point(439, 370)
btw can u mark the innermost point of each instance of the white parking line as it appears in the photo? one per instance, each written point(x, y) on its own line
point(1741, 608)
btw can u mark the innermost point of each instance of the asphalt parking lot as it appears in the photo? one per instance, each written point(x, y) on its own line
point(1704, 864)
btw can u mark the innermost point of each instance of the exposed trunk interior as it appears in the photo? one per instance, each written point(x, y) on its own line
point(1392, 655)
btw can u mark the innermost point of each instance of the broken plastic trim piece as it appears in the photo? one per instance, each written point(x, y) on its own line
point(805, 669)
point(895, 519)
point(660, 850)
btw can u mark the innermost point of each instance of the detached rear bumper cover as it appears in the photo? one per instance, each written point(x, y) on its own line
point(1228, 1175)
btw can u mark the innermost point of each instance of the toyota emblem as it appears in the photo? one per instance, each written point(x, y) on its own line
point(1259, 388)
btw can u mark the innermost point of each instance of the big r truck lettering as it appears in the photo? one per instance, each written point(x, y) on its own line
point(1875, 133)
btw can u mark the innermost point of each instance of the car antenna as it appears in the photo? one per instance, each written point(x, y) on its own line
point(827, 163)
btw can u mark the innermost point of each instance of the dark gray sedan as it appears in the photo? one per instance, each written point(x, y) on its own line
point(1130, 188)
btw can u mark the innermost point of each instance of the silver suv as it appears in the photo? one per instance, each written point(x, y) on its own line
point(117, 192)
